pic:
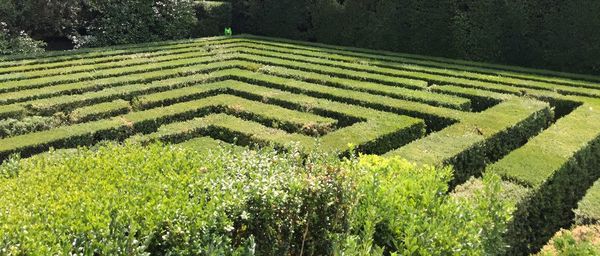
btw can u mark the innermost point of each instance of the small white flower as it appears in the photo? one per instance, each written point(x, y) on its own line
point(245, 215)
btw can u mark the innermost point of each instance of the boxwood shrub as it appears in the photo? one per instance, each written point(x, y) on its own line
point(166, 200)
point(581, 240)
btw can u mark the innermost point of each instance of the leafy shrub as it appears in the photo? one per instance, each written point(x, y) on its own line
point(162, 200)
point(134, 21)
point(12, 127)
point(582, 240)
point(42, 18)
point(17, 43)
point(400, 207)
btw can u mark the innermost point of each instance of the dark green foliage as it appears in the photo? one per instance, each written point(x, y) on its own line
point(417, 26)
point(285, 18)
point(553, 34)
point(42, 18)
point(213, 18)
point(133, 21)
point(12, 42)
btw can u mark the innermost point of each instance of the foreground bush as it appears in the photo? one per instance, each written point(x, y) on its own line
point(582, 240)
point(159, 200)
point(535, 33)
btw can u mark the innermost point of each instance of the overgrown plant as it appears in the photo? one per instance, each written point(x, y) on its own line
point(133, 21)
point(399, 207)
point(12, 127)
point(581, 240)
point(17, 42)
point(129, 199)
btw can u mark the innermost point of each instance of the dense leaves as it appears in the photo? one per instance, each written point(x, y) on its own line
point(166, 200)
point(100, 23)
point(551, 34)
point(135, 21)
point(17, 42)
point(581, 240)
point(12, 127)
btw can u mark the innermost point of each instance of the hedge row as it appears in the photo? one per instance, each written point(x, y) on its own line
point(448, 67)
point(480, 138)
point(81, 87)
point(196, 58)
point(39, 106)
point(480, 99)
point(38, 94)
point(390, 62)
point(525, 33)
point(77, 63)
point(129, 61)
point(554, 170)
point(375, 124)
point(436, 118)
point(373, 88)
point(54, 59)
point(64, 102)
point(99, 111)
point(588, 209)
point(146, 121)
point(129, 92)
point(376, 72)
point(565, 89)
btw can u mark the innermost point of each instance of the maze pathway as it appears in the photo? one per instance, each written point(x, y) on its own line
point(539, 130)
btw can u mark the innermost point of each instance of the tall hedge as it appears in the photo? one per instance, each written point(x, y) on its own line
point(560, 35)
point(42, 18)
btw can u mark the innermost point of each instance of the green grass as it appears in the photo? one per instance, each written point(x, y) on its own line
point(537, 129)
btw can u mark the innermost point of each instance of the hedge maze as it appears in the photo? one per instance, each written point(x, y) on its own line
point(539, 130)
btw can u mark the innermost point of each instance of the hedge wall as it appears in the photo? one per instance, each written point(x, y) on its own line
point(552, 34)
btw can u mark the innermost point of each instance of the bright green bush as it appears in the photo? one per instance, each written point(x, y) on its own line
point(581, 240)
point(166, 200)
point(399, 207)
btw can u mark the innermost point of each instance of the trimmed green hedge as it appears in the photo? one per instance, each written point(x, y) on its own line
point(480, 139)
point(158, 199)
point(555, 169)
point(588, 209)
